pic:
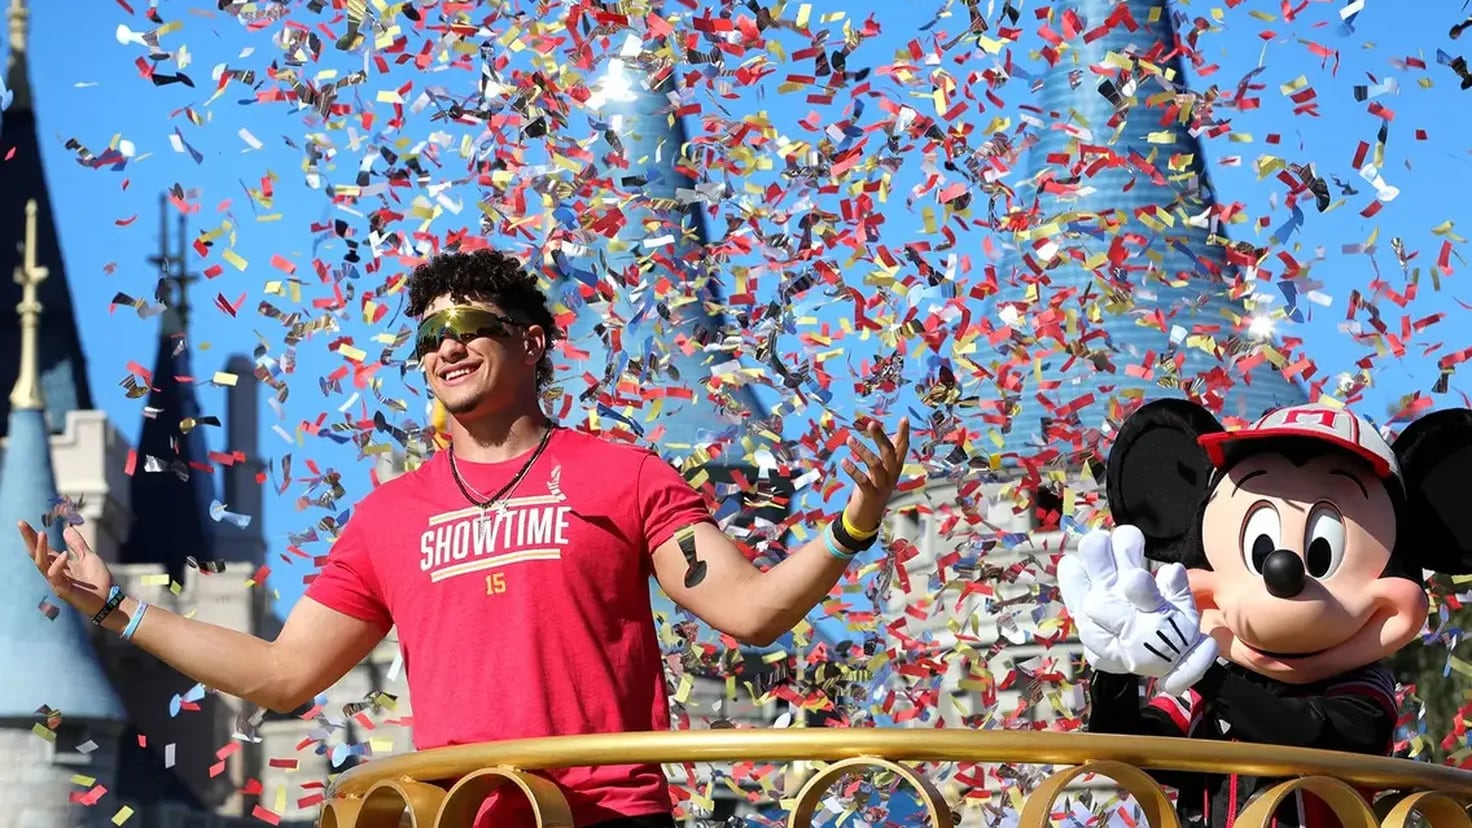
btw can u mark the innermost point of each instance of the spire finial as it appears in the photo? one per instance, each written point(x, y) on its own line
point(174, 277)
point(15, 66)
point(29, 275)
point(182, 277)
point(18, 15)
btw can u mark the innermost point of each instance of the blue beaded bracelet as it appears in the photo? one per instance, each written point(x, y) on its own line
point(135, 620)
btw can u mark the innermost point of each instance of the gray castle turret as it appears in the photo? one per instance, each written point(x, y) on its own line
point(655, 274)
point(1120, 172)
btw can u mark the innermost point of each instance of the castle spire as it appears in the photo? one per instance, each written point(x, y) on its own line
point(17, 77)
point(173, 273)
point(26, 396)
point(173, 489)
point(45, 653)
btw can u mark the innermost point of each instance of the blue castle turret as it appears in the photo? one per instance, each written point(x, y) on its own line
point(44, 661)
point(60, 720)
point(47, 662)
point(1124, 266)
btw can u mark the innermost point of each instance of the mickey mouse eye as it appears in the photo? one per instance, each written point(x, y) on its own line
point(1324, 541)
point(1261, 534)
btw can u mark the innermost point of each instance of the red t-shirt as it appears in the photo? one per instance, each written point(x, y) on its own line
point(540, 626)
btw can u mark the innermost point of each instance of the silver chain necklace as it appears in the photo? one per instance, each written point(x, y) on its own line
point(478, 499)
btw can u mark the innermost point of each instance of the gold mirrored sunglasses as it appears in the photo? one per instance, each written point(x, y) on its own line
point(463, 324)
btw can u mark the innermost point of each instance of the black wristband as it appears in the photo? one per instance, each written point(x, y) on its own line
point(114, 599)
point(848, 541)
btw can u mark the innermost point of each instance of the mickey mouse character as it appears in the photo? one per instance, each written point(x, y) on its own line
point(1293, 553)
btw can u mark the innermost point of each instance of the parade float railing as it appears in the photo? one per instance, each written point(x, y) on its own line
point(444, 788)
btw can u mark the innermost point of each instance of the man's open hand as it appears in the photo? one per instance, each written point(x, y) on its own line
point(874, 485)
point(77, 576)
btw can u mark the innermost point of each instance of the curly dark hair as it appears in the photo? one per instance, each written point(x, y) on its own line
point(488, 276)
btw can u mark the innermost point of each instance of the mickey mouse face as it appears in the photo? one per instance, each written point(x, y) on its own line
point(1295, 552)
point(1305, 536)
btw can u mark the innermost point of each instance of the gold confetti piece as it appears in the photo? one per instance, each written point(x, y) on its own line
point(225, 378)
point(124, 814)
point(1445, 231)
point(234, 259)
point(1294, 85)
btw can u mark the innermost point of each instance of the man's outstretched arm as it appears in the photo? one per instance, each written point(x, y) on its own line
point(316, 647)
point(757, 606)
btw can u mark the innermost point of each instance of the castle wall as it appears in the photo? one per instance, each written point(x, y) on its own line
point(37, 779)
point(88, 460)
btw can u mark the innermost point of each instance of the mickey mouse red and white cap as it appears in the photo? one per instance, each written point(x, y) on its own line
point(1312, 422)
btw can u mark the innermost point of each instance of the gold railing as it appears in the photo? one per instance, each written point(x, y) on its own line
point(444, 788)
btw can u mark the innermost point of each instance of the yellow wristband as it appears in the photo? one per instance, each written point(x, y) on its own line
point(849, 528)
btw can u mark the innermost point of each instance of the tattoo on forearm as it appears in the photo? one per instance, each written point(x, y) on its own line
point(695, 568)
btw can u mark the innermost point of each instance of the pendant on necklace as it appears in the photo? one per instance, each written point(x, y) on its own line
point(490, 515)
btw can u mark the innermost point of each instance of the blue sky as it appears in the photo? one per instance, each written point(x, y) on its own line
point(88, 88)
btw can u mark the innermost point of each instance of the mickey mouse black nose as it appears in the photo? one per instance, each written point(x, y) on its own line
point(1282, 571)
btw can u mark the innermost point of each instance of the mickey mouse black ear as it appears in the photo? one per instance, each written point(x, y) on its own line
point(1158, 475)
point(1435, 454)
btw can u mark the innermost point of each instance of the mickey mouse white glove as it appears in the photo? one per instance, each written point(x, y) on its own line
point(1130, 622)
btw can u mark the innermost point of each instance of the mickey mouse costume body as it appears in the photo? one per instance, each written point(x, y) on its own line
point(1293, 554)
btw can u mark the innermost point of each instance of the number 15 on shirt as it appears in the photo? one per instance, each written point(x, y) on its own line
point(495, 583)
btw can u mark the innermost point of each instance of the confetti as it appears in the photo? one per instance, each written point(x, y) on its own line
point(1010, 223)
point(219, 513)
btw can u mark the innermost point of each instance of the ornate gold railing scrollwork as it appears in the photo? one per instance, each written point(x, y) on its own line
point(1348, 806)
point(811, 795)
point(465, 798)
point(445, 788)
point(1439, 810)
point(385, 804)
point(1037, 809)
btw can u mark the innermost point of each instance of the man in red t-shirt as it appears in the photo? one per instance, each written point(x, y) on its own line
point(515, 565)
